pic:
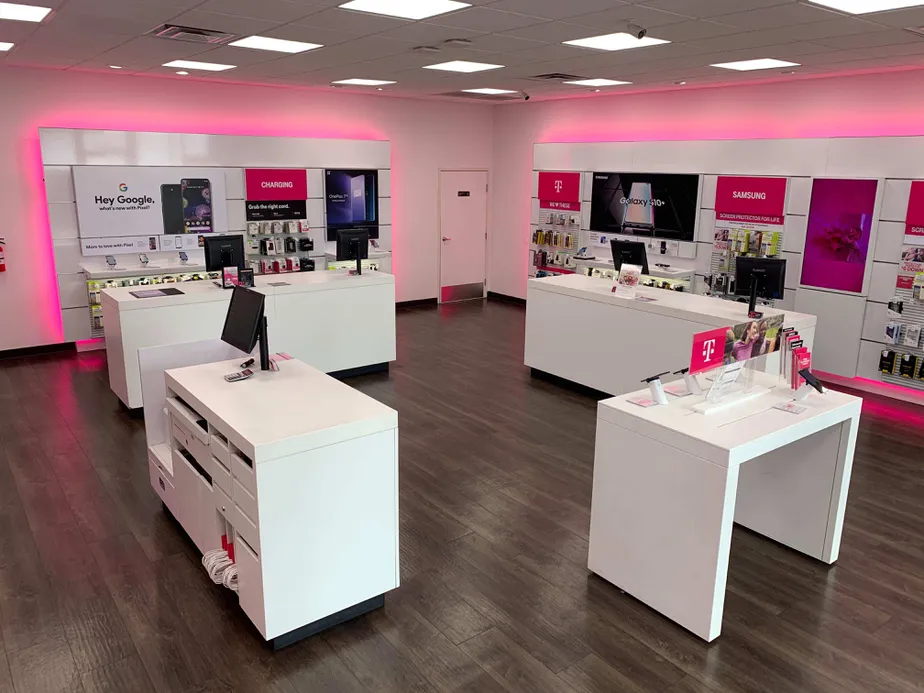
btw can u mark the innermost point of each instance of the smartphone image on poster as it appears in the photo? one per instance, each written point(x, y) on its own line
point(371, 197)
point(171, 207)
point(358, 198)
point(197, 205)
point(639, 210)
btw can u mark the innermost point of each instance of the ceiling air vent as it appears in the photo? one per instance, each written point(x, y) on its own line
point(190, 34)
point(482, 97)
point(557, 77)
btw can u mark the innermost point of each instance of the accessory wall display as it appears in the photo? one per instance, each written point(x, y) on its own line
point(659, 205)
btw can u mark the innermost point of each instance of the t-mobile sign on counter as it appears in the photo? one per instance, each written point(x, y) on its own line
point(560, 190)
point(750, 200)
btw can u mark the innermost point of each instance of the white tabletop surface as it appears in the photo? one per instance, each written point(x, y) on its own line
point(155, 269)
point(206, 290)
point(734, 435)
point(280, 413)
point(679, 304)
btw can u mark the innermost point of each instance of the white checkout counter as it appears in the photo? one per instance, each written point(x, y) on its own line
point(298, 471)
point(334, 321)
point(579, 330)
point(669, 482)
point(675, 273)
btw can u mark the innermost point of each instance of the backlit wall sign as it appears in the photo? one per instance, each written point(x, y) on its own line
point(837, 240)
point(660, 205)
point(351, 201)
point(276, 193)
point(560, 190)
point(750, 200)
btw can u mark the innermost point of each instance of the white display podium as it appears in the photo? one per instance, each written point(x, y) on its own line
point(578, 330)
point(332, 320)
point(298, 470)
point(669, 483)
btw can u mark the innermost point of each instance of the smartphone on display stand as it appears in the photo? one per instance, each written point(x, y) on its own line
point(171, 206)
point(110, 260)
point(197, 205)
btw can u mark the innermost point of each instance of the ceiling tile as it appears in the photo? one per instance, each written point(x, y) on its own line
point(549, 32)
point(354, 22)
point(147, 50)
point(485, 19)
point(421, 34)
point(242, 26)
point(129, 17)
point(899, 18)
point(779, 15)
point(555, 9)
point(710, 8)
point(694, 30)
point(886, 37)
point(16, 32)
point(267, 10)
point(617, 18)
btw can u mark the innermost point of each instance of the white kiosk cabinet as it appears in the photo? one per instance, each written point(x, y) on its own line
point(299, 472)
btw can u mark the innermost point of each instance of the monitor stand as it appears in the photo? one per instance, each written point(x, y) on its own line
point(354, 245)
point(264, 347)
point(752, 306)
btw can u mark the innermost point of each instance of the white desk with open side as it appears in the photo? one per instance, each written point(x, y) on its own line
point(578, 330)
point(669, 482)
point(336, 322)
point(298, 470)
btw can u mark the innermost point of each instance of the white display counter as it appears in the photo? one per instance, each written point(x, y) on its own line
point(332, 320)
point(669, 482)
point(579, 330)
point(298, 471)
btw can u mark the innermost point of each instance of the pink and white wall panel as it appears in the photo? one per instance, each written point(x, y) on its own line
point(227, 155)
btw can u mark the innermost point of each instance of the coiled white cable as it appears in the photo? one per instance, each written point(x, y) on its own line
point(229, 577)
point(216, 564)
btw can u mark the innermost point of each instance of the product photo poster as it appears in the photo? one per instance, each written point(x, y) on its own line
point(838, 237)
point(662, 205)
point(351, 201)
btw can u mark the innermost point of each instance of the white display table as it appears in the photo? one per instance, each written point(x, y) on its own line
point(332, 320)
point(300, 472)
point(669, 482)
point(577, 329)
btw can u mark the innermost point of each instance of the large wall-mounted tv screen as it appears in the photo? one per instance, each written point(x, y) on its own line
point(351, 199)
point(659, 205)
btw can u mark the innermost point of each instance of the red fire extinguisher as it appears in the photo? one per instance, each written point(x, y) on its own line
point(2, 260)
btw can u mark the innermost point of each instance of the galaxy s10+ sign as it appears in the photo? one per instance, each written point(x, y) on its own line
point(658, 205)
point(351, 201)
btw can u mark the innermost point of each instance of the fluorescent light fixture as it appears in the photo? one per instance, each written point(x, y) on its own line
point(364, 82)
point(115, 67)
point(194, 65)
point(866, 6)
point(4, 46)
point(615, 42)
point(264, 43)
point(489, 91)
point(405, 9)
point(598, 82)
point(759, 64)
point(23, 13)
point(462, 66)
point(182, 72)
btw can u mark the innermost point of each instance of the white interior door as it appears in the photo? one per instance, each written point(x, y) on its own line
point(463, 234)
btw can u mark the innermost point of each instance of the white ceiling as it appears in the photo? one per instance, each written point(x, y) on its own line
point(524, 35)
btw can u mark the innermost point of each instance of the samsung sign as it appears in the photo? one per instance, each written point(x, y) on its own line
point(739, 195)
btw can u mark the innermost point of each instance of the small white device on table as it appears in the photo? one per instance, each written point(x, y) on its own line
point(669, 482)
point(298, 472)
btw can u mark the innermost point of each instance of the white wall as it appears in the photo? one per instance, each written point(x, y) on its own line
point(425, 137)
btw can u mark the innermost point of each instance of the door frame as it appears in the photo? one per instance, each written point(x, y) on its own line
point(439, 226)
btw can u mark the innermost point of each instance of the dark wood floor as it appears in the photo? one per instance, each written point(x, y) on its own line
point(99, 592)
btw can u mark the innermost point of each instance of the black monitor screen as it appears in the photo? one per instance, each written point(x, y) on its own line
point(224, 251)
point(630, 252)
point(769, 273)
point(244, 319)
point(661, 205)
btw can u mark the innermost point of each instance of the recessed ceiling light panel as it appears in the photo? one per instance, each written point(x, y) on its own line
point(195, 65)
point(598, 82)
point(23, 13)
point(488, 91)
point(364, 82)
point(615, 42)
point(4, 46)
point(867, 6)
point(405, 9)
point(264, 43)
point(759, 64)
point(462, 66)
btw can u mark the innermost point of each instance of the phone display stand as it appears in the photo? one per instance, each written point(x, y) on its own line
point(732, 386)
point(803, 392)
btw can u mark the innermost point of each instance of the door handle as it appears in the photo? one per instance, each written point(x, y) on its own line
point(446, 238)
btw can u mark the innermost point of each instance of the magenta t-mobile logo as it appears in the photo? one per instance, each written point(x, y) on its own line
point(558, 186)
point(708, 349)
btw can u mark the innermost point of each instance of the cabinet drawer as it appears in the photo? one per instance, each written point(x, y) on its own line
point(245, 501)
point(242, 470)
point(192, 444)
point(250, 583)
point(224, 505)
point(244, 526)
point(162, 484)
point(219, 448)
point(221, 475)
point(188, 419)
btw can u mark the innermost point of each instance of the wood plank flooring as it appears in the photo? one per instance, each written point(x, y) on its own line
point(101, 593)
